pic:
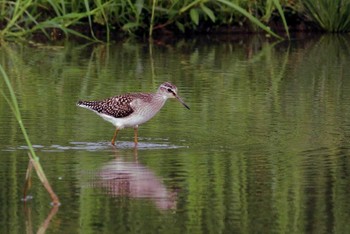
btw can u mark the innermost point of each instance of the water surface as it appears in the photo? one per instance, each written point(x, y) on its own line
point(264, 148)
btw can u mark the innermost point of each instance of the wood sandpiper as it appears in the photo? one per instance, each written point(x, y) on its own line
point(132, 109)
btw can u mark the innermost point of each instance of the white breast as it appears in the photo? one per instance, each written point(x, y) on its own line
point(143, 111)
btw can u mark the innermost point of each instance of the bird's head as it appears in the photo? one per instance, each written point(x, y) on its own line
point(169, 90)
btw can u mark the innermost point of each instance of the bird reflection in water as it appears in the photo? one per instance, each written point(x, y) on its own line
point(133, 180)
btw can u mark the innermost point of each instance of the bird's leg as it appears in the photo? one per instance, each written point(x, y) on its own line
point(135, 137)
point(115, 136)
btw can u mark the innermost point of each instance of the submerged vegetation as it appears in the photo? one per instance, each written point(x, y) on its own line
point(100, 19)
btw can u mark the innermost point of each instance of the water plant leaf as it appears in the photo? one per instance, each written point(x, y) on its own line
point(57, 8)
point(87, 6)
point(280, 11)
point(249, 16)
point(194, 16)
point(180, 26)
point(130, 25)
point(18, 10)
point(66, 31)
point(105, 17)
point(189, 6)
point(208, 12)
point(331, 16)
point(24, 17)
point(139, 6)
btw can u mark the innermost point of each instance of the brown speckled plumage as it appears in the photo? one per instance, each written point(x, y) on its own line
point(132, 109)
point(118, 106)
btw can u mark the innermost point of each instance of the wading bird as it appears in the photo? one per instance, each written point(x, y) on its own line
point(132, 109)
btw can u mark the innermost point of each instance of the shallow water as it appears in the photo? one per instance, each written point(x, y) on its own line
point(265, 147)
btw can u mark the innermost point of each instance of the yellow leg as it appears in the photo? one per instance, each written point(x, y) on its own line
point(135, 132)
point(115, 136)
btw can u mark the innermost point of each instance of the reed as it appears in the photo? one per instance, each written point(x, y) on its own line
point(34, 159)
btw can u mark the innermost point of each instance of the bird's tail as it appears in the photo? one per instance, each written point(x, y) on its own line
point(87, 104)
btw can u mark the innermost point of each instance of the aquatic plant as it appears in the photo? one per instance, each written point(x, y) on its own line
point(33, 158)
point(331, 16)
point(21, 19)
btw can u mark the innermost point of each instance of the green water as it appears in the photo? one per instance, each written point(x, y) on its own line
point(264, 149)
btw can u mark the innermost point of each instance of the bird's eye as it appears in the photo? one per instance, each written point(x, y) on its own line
point(170, 91)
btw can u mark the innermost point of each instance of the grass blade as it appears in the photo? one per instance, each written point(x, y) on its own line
point(249, 16)
point(34, 159)
point(208, 12)
point(280, 11)
point(89, 18)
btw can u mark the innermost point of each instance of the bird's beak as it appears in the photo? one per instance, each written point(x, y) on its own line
point(182, 102)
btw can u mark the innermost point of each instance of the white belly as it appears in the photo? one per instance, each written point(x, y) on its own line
point(143, 111)
point(133, 120)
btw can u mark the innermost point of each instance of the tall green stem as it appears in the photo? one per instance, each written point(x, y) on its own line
point(13, 103)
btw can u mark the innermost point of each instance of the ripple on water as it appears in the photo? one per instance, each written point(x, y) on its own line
point(95, 146)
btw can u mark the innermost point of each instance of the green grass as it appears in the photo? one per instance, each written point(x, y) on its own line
point(34, 159)
point(23, 19)
point(100, 20)
point(87, 19)
point(331, 16)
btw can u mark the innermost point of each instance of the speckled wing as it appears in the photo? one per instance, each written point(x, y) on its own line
point(118, 106)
